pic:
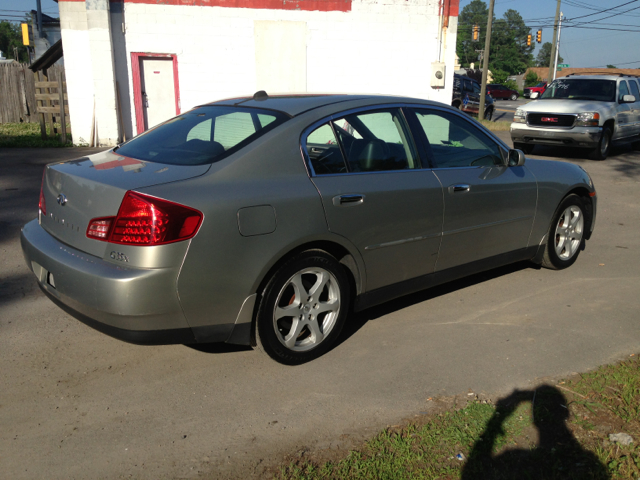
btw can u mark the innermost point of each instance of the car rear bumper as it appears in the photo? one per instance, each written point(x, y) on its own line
point(132, 304)
point(583, 137)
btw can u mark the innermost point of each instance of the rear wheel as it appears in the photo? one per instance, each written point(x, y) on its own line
point(514, 97)
point(488, 114)
point(601, 152)
point(566, 234)
point(303, 308)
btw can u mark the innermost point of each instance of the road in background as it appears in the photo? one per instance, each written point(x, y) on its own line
point(75, 403)
point(504, 109)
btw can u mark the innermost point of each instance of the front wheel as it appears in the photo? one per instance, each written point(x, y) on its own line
point(601, 152)
point(514, 97)
point(303, 308)
point(566, 234)
point(488, 114)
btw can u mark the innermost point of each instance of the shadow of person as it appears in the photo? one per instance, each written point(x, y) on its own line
point(557, 456)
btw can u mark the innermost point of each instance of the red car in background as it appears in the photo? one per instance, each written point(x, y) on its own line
point(540, 88)
point(500, 91)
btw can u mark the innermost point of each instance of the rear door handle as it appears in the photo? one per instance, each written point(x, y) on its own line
point(348, 200)
point(459, 188)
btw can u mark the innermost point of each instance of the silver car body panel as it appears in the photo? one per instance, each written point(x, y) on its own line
point(211, 285)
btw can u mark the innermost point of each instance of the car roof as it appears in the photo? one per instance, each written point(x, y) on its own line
point(296, 104)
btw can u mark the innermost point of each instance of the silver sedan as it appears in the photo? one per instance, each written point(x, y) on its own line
point(267, 220)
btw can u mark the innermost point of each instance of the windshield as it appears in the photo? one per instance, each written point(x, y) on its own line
point(581, 89)
point(541, 84)
point(203, 135)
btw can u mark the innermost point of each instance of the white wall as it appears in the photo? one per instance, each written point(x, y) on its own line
point(378, 47)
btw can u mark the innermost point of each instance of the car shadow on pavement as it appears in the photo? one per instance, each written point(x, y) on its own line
point(558, 454)
point(357, 320)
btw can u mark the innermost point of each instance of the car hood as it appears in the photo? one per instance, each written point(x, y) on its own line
point(566, 106)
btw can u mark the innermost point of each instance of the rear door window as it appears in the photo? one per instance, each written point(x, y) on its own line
point(634, 89)
point(203, 135)
point(623, 90)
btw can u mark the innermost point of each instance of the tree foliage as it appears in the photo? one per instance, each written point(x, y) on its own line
point(544, 55)
point(508, 52)
point(10, 37)
point(611, 66)
point(531, 79)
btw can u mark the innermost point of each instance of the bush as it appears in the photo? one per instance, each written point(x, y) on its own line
point(531, 79)
point(500, 77)
point(511, 84)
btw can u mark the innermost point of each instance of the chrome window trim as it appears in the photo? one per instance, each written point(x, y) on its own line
point(444, 108)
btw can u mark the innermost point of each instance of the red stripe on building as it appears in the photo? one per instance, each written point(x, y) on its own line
point(310, 5)
point(454, 7)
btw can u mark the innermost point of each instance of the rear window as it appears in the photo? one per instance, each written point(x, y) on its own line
point(203, 135)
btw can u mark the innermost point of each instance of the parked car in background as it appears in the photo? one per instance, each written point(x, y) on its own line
point(466, 97)
point(267, 220)
point(589, 112)
point(501, 92)
point(538, 89)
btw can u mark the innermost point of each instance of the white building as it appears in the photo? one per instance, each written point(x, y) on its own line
point(163, 58)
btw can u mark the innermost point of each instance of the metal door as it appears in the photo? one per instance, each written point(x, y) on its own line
point(158, 90)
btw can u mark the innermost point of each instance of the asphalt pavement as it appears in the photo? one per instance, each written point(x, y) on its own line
point(75, 403)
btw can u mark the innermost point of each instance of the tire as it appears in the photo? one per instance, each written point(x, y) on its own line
point(566, 234)
point(514, 97)
point(601, 152)
point(457, 105)
point(303, 308)
point(526, 148)
point(488, 114)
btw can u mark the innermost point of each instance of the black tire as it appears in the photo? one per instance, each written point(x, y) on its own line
point(457, 105)
point(526, 148)
point(488, 114)
point(303, 326)
point(514, 97)
point(601, 152)
point(566, 234)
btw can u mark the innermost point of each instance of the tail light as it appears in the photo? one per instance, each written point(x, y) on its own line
point(42, 204)
point(146, 220)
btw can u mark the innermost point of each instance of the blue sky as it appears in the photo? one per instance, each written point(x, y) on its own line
point(593, 46)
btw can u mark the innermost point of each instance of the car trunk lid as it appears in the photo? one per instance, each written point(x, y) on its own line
point(92, 187)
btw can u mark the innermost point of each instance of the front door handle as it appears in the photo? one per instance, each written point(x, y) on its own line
point(459, 188)
point(348, 200)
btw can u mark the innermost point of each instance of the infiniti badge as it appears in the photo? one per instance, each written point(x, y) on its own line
point(62, 200)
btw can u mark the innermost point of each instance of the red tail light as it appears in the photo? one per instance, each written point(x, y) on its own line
point(41, 204)
point(146, 220)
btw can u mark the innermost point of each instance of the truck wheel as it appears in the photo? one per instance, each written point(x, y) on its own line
point(602, 150)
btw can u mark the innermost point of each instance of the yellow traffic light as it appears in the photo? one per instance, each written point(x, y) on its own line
point(27, 34)
point(539, 36)
point(476, 32)
point(529, 40)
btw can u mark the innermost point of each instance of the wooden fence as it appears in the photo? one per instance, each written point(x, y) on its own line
point(18, 101)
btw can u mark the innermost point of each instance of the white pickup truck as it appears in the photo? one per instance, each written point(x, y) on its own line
point(589, 112)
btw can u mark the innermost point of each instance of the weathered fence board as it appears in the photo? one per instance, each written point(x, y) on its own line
point(18, 101)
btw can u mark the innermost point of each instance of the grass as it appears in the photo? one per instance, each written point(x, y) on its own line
point(28, 135)
point(558, 431)
point(497, 126)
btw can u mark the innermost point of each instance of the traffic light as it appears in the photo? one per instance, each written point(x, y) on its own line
point(476, 33)
point(539, 36)
point(529, 40)
point(27, 34)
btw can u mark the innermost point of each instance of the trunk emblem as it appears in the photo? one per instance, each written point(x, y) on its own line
point(550, 119)
point(62, 200)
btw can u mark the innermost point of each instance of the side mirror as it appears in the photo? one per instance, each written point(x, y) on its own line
point(516, 158)
point(628, 99)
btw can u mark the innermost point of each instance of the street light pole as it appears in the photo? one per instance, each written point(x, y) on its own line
point(555, 63)
point(552, 70)
point(485, 62)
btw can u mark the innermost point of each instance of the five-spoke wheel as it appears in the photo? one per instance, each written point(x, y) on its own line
point(303, 308)
point(566, 235)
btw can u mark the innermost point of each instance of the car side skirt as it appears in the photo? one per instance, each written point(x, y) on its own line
point(385, 294)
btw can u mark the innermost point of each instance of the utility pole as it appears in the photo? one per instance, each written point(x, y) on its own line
point(555, 63)
point(485, 62)
point(552, 68)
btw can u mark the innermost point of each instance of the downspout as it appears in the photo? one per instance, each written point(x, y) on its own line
point(445, 27)
point(440, 9)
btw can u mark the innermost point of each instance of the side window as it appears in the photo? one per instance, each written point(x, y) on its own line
point(634, 89)
point(324, 151)
point(455, 142)
point(476, 88)
point(467, 86)
point(623, 90)
point(376, 141)
point(231, 129)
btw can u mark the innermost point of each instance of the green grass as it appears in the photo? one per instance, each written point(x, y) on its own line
point(557, 431)
point(28, 135)
point(498, 126)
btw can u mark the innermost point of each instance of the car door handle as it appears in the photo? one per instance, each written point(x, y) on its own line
point(459, 188)
point(348, 200)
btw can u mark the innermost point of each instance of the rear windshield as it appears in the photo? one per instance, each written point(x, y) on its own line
point(203, 135)
point(576, 89)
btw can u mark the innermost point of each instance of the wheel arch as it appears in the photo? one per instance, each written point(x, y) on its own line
point(584, 194)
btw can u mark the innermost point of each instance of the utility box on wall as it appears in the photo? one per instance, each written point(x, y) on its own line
point(437, 74)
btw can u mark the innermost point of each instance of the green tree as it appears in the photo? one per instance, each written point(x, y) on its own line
point(509, 50)
point(10, 37)
point(475, 13)
point(611, 66)
point(531, 79)
point(544, 55)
